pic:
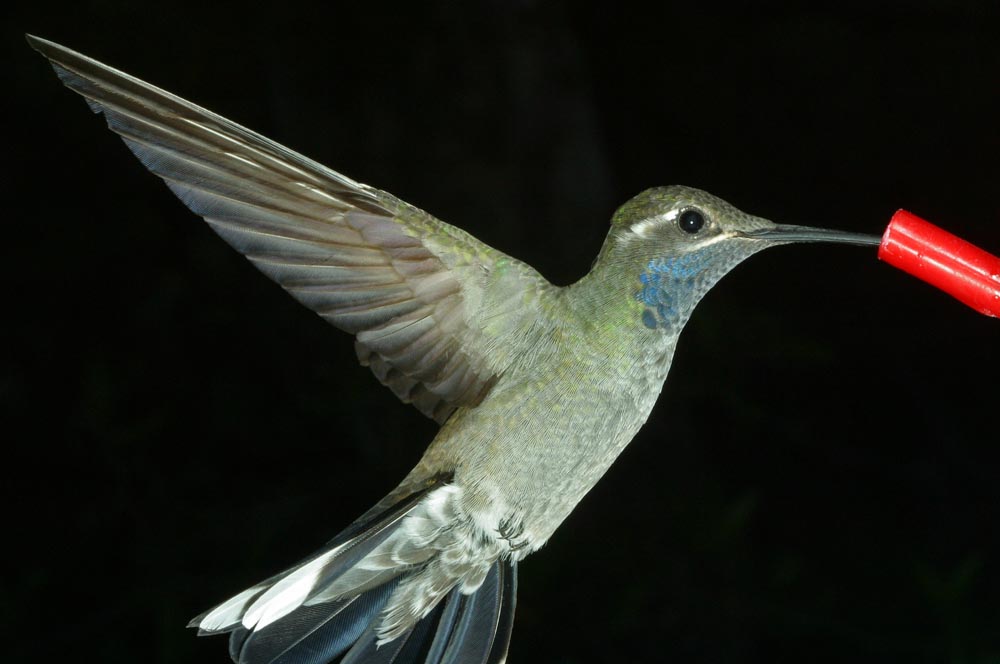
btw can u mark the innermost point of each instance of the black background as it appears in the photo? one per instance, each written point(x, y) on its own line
point(819, 479)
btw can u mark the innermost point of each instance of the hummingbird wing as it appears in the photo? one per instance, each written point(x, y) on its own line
point(437, 314)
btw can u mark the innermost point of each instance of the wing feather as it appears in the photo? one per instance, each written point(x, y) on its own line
point(410, 287)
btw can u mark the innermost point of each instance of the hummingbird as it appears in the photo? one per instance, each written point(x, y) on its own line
point(536, 388)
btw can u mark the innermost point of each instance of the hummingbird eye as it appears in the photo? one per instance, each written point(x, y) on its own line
point(691, 221)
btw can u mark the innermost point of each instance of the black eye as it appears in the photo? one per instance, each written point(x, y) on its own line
point(691, 221)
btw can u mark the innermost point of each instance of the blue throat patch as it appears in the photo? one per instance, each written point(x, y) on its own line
point(664, 281)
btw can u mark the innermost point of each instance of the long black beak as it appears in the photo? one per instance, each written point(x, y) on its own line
point(791, 233)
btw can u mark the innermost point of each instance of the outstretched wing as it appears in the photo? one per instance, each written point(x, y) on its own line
point(437, 314)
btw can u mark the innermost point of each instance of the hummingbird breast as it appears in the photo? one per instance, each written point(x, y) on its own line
point(549, 429)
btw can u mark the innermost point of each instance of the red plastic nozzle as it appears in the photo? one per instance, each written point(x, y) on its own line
point(960, 269)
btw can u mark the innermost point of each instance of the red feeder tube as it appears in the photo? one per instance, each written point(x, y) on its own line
point(957, 267)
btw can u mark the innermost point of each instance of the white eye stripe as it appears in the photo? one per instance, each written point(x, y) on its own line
point(644, 227)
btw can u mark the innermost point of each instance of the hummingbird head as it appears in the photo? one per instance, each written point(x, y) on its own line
point(679, 241)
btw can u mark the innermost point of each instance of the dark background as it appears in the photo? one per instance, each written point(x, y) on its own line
point(819, 480)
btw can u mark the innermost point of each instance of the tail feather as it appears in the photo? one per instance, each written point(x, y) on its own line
point(446, 625)
point(505, 618)
point(329, 567)
point(411, 646)
point(481, 630)
point(237, 638)
point(227, 615)
point(315, 634)
point(463, 629)
point(332, 604)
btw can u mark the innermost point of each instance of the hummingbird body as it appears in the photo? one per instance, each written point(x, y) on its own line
point(588, 365)
point(537, 388)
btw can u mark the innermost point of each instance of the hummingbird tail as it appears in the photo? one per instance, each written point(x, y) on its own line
point(339, 600)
